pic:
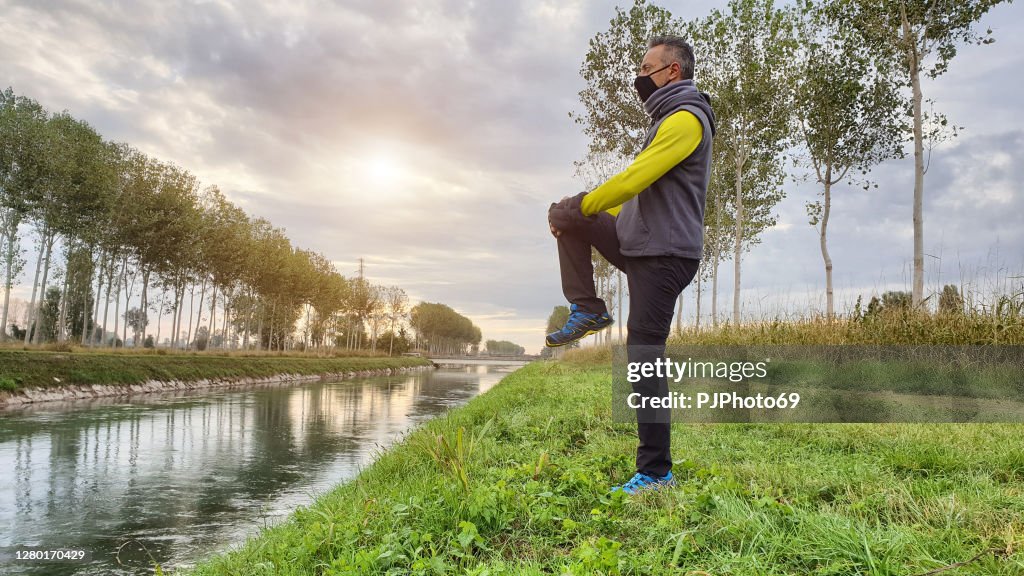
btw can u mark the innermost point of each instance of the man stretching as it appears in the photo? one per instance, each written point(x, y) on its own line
point(647, 221)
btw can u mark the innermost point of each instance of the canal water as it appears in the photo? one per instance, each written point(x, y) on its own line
point(171, 478)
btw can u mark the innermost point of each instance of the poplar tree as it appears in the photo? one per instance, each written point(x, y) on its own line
point(911, 38)
point(743, 60)
point(848, 115)
point(22, 121)
point(613, 117)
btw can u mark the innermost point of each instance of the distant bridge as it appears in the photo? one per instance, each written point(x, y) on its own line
point(486, 358)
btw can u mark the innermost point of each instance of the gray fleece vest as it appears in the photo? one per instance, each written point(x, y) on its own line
point(667, 218)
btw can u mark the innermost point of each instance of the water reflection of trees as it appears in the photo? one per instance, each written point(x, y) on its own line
point(191, 471)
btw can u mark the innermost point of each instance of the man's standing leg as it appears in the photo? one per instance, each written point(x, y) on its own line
point(655, 283)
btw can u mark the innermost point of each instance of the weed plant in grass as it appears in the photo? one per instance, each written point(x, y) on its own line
point(516, 482)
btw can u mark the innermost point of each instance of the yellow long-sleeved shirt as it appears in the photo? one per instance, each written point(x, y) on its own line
point(677, 137)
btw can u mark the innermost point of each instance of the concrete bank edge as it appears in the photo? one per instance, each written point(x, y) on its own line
point(34, 395)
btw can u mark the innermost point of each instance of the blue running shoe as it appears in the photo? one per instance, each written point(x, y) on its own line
point(579, 325)
point(644, 482)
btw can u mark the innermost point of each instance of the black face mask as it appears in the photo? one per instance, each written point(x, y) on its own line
point(645, 86)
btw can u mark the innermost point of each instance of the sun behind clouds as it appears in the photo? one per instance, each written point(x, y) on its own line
point(383, 170)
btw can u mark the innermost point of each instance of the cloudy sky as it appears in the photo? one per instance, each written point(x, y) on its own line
point(428, 138)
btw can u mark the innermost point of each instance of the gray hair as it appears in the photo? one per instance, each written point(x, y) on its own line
point(679, 51)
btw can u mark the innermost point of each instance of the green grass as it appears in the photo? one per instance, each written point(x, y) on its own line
point(1001, 325)
point(516, 482)
point(41, 368)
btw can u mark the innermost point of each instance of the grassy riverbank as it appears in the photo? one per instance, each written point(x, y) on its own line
point(516, 483)
point(40, 368)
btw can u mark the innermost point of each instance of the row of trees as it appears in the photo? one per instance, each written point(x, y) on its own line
point(832, 85)
point(442, 330)
point(116, 227)
point(504, 348)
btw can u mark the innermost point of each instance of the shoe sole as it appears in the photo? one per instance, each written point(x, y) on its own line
point(653, 487)
point(648, 488)
point(589, 332)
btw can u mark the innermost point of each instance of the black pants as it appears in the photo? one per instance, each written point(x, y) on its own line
point(655, 283)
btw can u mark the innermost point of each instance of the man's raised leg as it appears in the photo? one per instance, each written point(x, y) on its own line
point(588, 313)
point(576, 266)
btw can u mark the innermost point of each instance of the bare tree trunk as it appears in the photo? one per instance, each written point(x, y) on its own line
point(181, 309)
point(914, 67)
point(224, 321)
point(696, 322)
point(12, 234)
point(122, 278)
point(159, 317)
point(106, 299)
point(30, 317)
point(829, 306)
point(173, 341)
point(391, 346)
point(714, 295)
point(129, 288)
point(305, 333)
point(144, 308)
point(217, 322)
point(213, 317)
point(127, 303)
point(739, 241)
point(88, 331)
point(192, 309)
point(42, 285)
point(718, 259)
point(248, 316)
point(62, 316)
point(333, 320)
point(86, 328)
point(273, 318)
point(259, 326)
